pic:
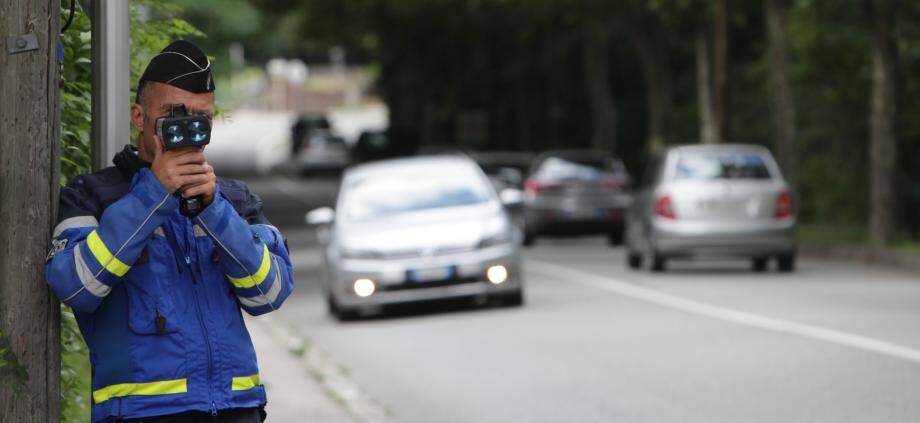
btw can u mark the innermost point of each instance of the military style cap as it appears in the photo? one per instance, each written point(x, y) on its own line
point(182, 65)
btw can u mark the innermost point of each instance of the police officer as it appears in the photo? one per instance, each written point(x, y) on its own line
point(157, 294)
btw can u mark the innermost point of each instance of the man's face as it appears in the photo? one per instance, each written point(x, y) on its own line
point(157, 100)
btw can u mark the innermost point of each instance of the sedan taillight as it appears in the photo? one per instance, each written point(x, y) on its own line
point(664, 208)
point(534, 186)
point(784, 205)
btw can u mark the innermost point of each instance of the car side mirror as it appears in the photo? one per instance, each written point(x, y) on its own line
point(511, 197)
point(321, 216)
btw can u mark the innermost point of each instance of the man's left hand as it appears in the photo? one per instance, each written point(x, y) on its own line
point(206, 189)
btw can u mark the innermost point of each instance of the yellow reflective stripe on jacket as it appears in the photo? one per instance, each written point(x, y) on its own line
point(245, 382)
point(258, 277)
point(177, 386)
point(104, 256)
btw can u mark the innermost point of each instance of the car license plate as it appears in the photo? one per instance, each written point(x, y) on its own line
point(430, 274)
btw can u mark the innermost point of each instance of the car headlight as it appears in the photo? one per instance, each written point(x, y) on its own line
point(500, 238)
point(355, 254)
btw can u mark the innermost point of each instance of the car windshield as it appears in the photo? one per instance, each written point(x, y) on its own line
point(385, 195)
point(585, 168)
point(708, 166)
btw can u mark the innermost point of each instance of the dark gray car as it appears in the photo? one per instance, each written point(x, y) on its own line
point(574, 192)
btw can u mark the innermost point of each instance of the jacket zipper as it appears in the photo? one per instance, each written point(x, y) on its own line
point(204, 328)
point(207, 341)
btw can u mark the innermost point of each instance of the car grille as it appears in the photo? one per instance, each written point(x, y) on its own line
point(419, 252)
point(430, 284)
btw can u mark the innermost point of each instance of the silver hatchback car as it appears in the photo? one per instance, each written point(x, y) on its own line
point(713, 200)
point(416, 229)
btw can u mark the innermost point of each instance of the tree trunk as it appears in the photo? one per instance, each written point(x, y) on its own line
point(29, 118)
point(600, 99)
point(783, 116)
point(721, 103)
point(882, 143)
point(704, 91)
point(523, 138)
point(657, 88)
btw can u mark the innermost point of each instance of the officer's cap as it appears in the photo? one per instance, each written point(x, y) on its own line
point(182, 65)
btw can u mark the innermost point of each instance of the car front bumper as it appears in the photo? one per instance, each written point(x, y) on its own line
point(394, 283)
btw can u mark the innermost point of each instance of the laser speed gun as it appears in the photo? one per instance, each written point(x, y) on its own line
point(180, 129)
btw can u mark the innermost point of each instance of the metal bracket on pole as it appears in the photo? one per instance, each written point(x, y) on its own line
point(21, 43)
point(111, 74)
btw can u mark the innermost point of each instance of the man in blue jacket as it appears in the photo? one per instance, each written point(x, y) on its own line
point(157, 294)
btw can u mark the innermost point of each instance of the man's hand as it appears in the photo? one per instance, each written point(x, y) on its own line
point(206, 188)
point(185, 169)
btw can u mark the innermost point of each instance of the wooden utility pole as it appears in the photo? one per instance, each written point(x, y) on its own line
point(721, 102)
point(882, 142)
point(29, 133)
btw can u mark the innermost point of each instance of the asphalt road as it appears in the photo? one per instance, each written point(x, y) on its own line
point(596, 342)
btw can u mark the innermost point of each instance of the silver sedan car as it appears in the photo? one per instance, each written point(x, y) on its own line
point(715, 200)
point(416, 229)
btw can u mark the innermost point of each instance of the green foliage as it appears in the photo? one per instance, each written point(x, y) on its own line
point(76, 158)
point(76, 100)
point(232, 21)
point(13, 373)
point(75, 371)
point(154, 24)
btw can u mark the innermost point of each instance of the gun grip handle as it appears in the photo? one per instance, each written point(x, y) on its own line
point(191, 206)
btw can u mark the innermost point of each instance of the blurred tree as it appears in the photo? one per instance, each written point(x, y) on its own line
point(704, 88)
point(882, 142)
point(649, 37)
point(596, 64)
point(634, 75)
point(722, 72)
point(783, 110)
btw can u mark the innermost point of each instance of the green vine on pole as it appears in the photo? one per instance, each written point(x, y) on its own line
point(14, 375)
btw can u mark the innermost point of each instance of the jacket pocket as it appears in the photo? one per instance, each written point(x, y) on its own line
point(152, 300)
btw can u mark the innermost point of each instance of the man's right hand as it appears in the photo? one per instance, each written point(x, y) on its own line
point(177, 168)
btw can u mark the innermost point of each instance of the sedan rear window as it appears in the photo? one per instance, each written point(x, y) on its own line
point(585, 169)
point(707, 166)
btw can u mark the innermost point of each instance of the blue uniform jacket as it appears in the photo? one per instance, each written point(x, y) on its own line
point(157, 295)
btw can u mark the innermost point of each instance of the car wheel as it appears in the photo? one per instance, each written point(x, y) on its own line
point(658, 262)
point(634, 260)
point(514, 299)
point(615, 238)
point(331, 305)
point(759, 264)
point(529, 239)
point(340, 313)
point(786, 262)
point(346, 314)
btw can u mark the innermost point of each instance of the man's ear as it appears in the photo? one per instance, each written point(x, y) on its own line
point(137, 117)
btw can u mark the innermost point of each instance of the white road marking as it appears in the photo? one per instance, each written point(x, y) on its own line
point(727, 314)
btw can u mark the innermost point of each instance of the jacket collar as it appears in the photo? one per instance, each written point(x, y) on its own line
point(127, 161)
